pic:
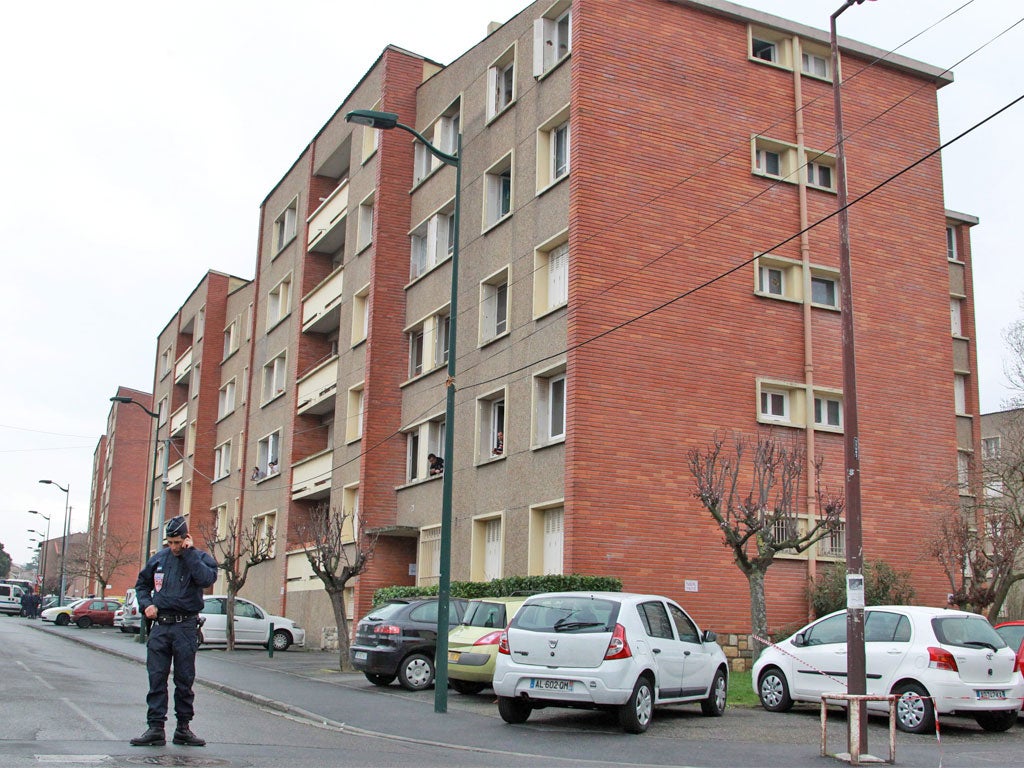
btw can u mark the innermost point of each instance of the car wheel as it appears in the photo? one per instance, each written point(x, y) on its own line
point(282, 640)
point(416, 672)
point(635, 715)
point(714, 704)
point(381, 680)
point(997, 720)
point(914, 710)
point(773, 690)
point(466, 687)
point(123, 630)
point(62, 620)
point(512, 710)
point(84, 622)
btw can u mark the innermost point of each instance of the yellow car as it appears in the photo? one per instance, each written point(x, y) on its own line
point(473, 644)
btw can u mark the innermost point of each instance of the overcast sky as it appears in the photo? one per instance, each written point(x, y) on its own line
point(139, 139)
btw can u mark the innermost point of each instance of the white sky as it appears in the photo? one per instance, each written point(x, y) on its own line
point(139, 139)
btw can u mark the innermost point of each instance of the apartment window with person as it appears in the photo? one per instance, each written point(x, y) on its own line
point(501, 83)
point(285, 226)
point(494, 306)
point(498, 192)
point(491, 426)
point(268, 454)
point(421, 441)
point(552, 38)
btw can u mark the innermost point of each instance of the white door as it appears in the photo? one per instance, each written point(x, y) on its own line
point(820, 666)
point(667, 650)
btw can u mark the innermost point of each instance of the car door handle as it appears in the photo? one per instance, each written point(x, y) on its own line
point(894, 652)
point(656, 650)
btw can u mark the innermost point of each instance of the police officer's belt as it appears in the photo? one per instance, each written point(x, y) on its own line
point(174, 618)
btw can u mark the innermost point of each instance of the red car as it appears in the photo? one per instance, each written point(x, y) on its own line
point(1012, 633)
point(95, 612)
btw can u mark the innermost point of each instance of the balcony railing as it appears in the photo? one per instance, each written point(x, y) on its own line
point(175, 474)
point(326, 227)
point(321, 308)
point(318, 388)
point(179, 420)
point(311, 477)
point(183, 367)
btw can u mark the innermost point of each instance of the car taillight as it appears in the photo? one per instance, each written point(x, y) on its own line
point(940, 658)
point(618, 648)
point(491, 638)
point(387, 629)
point(503, 643)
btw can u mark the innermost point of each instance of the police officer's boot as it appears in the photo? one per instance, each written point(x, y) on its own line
point(183, 735)
point(153, 737)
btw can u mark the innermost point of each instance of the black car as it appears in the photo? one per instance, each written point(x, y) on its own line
point(399, 639)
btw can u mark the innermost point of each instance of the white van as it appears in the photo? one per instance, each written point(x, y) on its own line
point(10, 599)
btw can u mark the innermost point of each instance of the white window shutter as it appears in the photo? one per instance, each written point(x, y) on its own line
point(539, 28)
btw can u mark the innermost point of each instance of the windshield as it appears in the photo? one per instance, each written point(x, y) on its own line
point(567, 614)
point(966, 632)
point(481, 613)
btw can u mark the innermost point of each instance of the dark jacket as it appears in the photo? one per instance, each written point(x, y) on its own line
point(175, 584)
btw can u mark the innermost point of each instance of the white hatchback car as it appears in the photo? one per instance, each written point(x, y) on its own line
point(607, 650)
point(934, 659)
point(252, 625)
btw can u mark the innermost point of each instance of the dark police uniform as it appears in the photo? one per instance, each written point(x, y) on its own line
point(174, 584)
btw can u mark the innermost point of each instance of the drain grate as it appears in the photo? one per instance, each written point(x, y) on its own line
point(179, 760)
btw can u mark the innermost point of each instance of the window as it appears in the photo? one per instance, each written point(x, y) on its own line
point(823, 291)
point(268, 454)
point(364, 224)
point(222, 461)
point(552, 38)
point(549, 406)
point(443, 133)
point(498, 191)
point(990, 447)
point(963, 472)
point(828, 412)
point(442, 335)
point(960, 393)
point(226, 399)
point(814, 64)
point(769, 162)
point(774, 405)
point(491, 426)
point(951, 251)
point(360, 314)
point(485, 559)
point(956, 317)
point(428, 343)
point(553, 143)
point(231, 339)
point(266, 534)
point(354, 420)
point(422, 162)
point(428, 566)
point(195, 380)
point(551, 276)
point(765, 50)
point(274, 374)
point(416, 352)
point(165, 362)
point(494, 306)
point(220, 524)
point(285, 226)
point(782, 160)
point(161, 409)
point(819, 175)
point(371, 138)
point(771, 280)
point(546, 538)
point(279, 302)
point(828, 631)
point(422, 440)
point(501, 83)
point(432, 242)
point(770, 46)
point(834, 542)
point(350, 509)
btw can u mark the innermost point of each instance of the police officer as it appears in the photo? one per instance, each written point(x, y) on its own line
point(170, 593)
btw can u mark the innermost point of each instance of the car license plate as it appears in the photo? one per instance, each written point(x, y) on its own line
point(453, 656)
point(550, 685)
point(360, 655)
point(986, 694)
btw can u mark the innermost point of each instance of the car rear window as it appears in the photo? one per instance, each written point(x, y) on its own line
point(386, 611)
point(567, 614)
point(484, 614)
point(966, 632)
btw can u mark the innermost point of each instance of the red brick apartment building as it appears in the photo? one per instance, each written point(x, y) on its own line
point(632, 280)
point(120, 485)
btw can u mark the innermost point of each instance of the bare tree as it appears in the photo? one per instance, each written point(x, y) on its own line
point(980, 543)
point(338, 550)
point(101, 559)
point(1014, 366)
point(752, 490)
point(236, 549)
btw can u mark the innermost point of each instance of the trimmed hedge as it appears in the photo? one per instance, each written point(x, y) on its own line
point(571, 582)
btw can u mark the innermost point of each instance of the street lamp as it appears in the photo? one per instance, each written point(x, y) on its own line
point(856, 679)
point(46, 541)
point(386, 121)
point(64, 541)
point(148, 513)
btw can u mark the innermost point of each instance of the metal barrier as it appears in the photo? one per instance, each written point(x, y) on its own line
point(854, 756)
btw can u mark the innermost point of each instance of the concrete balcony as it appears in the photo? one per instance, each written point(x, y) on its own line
point(326, 227)
point(311, 477)
point(175, 474)
point(321, 308)
point(318, 389)
point(183, 367)
point(179, 420)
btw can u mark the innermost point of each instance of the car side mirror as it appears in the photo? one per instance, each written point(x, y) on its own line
point(798, 640)
point(709, 636)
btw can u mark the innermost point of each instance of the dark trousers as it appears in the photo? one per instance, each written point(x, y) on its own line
point(167, 644)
